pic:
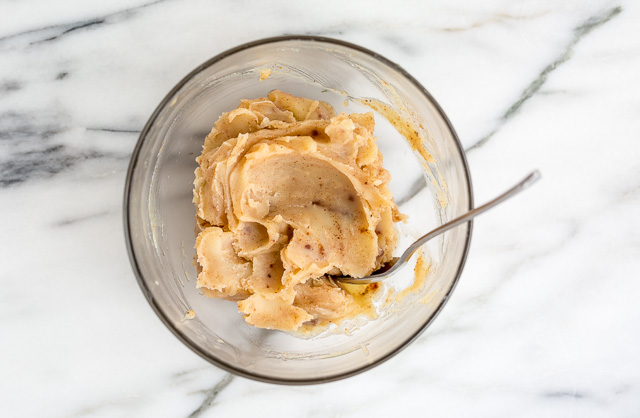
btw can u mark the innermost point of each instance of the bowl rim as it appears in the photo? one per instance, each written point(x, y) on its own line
point(127, 222)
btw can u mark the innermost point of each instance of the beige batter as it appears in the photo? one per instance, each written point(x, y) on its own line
point(286, 193)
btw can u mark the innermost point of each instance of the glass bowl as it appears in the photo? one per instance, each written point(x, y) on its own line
point(430, 182)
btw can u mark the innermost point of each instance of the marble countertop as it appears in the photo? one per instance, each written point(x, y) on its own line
point(545, 321)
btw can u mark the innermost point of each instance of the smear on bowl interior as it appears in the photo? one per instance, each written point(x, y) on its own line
point(287, 192)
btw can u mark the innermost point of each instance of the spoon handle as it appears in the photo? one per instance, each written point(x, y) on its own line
point(524, 184)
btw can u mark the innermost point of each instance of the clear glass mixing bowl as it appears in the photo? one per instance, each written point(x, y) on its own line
point(159, 213)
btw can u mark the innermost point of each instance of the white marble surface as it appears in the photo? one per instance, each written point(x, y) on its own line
point(546, 319)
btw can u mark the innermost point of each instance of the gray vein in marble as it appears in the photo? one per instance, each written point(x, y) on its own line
point(416, 187)
point(497, 18)
point(72, 221)
point(27, 151)
point(212, 394)
point(185, 374)
point(630, 191)
point(54, 32)
point(399, 43)
point(327, 32)
point(622, 389)
point(113, 130)
point(10, 85)
point(564, 394)
point(578, 34)
point(129, 402)
point(91, 410)
point(45, 162)
point(19, 127)
point(82, 25)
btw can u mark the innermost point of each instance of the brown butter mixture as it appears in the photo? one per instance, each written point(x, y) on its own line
point(286, 193)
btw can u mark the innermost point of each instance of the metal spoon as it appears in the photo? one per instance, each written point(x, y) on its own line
point(393, 266)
